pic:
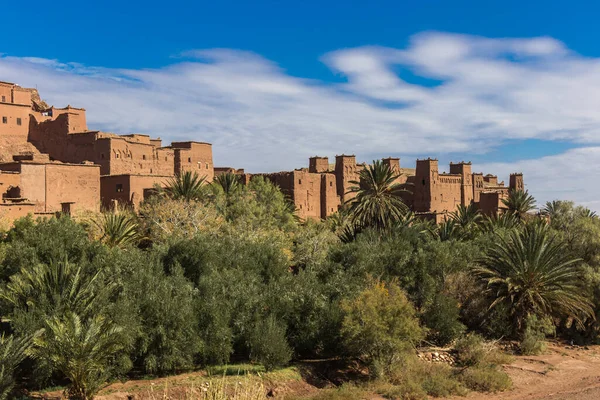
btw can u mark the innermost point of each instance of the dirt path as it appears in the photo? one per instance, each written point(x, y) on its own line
point(560, 374)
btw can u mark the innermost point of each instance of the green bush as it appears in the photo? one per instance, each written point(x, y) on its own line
point(12, 353)
point(442, 319)
point(268, 344)
point(485, 379)
point(380, 326)
point(536, 330)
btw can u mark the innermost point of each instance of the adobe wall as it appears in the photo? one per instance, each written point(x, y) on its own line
point(10, 212)
point(128, 189)
point(195, 157)
point(77, 184)
point(516, 182)
point(318, 164)
point(330, 201)
point(490, 203)
point(346, 170)
point(465, 171)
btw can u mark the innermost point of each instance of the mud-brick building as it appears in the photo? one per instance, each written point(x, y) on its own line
point(319, 190)
point(57, 164)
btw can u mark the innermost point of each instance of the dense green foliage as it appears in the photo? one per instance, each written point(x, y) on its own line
point(216, 273)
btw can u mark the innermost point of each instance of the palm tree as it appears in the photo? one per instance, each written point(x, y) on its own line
point(467, 217)
point(187, 186)
point(229, 182)
point(118, 229)
point(532, 273)
point(12, 353)
point(519, 203)
point(448, 230)
point(377, 203)
point(82, 350)
point(61, 287)
point(502, 221)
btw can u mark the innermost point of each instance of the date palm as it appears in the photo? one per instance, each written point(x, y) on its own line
point(377, 202)
point(82, 350)
point(118, 229)
point(229, 182)
point(467, 217)
point(519, 203)
point(188, 186)
point(532, 273)
point(12, 353)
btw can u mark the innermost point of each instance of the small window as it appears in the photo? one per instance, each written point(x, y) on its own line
point(189, 159)
point(299, 181)
point(4, 99)
point(117, 155)
point(5, 120)
point(166, 159)
point(102, 156)
point(331, 184)
point(144, 157)
point(206, 165)
point(19, 121)
point(119, 187)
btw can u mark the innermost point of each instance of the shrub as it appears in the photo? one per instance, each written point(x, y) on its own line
point(442, 320)
point(485, 379)
point(268, 344)
point(536, 330)
point(470, 350)
point(380, 326)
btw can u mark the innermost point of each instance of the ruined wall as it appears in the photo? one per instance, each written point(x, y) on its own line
point(318, 164)
point(194, 156)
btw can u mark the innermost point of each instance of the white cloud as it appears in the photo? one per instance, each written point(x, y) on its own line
point(572, 175)
point(261, 118)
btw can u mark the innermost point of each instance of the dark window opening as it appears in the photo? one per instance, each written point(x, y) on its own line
point(4, 99)
point(299, 181)
point(189, 159)
point(117, 155)
point(206, 165)
point(331, 184)
point(119, 187)
point(19, 121)
point(5, 120)
point(423, 182)
point(144, 157)
point(166, 159)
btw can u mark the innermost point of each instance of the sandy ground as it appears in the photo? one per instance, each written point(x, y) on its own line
point(561, 373)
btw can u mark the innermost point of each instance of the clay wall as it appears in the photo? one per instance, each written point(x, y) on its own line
point(425, 173)
point(478, 186)
point(11, 93)
point(447, 193)
point(14, 121)
point(10, 212)
point(465, 171)
point(128, 189)
point(49, 185)
point(346, 171)
point(490, 202)
point(516, 182)
point(194, 156)
point(318, 164)
point(491, 180)
point(307, 194)
point(330, 201)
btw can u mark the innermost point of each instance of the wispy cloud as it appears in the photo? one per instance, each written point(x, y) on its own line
point(483, 91)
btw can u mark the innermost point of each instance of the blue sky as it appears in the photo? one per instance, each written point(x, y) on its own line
point(510, 85)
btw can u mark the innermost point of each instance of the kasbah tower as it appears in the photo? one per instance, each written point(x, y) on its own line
point(50, 162)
